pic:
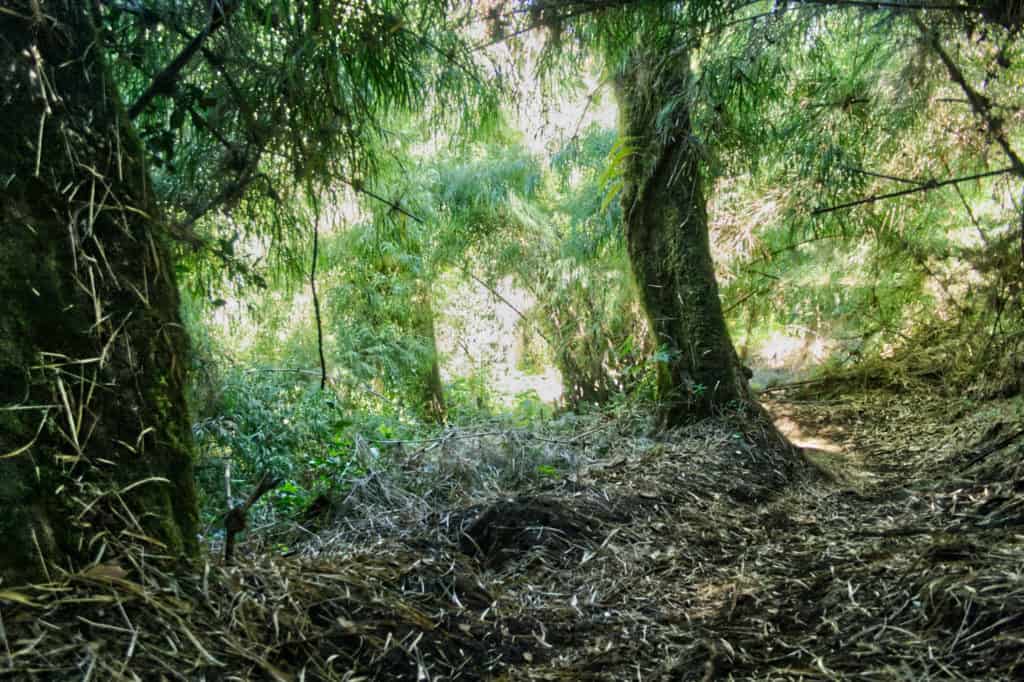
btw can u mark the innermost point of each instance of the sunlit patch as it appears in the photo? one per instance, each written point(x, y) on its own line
point(792, 430)
point(780, 350)
point(512, 383)
point(482, 332)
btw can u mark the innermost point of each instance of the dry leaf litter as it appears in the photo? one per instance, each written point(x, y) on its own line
point(699, 554)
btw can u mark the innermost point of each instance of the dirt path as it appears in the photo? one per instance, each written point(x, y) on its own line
point(894, 565)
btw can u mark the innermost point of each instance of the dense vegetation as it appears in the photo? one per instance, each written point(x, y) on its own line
point(795, 115)
point(284, 250)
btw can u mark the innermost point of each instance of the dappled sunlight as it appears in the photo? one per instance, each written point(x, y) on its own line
point(482, 333)
point(781, 350)
point(531, 341)
point(512, 383)
point(809, 438)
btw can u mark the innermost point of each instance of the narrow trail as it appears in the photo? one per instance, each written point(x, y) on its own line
point(898, 564)
point(883, 561)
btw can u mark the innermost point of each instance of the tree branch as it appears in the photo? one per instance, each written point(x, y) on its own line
point(236, 519)
point(894, 178)
point(165, 82)
point(574, 9)
point(923, 188)
point(895, 5)
point(981, 105)
point(494, 292)
point(395, 206)
point(316, 299)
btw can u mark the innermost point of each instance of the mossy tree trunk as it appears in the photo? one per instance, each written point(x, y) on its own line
point(435, 407)
point(667, 237)
point(95, 437)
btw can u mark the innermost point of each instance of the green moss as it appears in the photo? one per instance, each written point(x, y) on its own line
point(43, 307)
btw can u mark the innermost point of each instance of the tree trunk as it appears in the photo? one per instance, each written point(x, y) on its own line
point(430, 372)
point(667, 238)
point(95, 437)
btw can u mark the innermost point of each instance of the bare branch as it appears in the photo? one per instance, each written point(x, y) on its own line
point(316, 299)
point(395, 206)
point(236, 519)
point(923, 188)
point(166, 81)
point(981, 105)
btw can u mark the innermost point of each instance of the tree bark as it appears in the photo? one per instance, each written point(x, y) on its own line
point(667, 237)
point(95, 436)
point(435, 407)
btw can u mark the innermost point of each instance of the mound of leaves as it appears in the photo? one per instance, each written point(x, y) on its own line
point(363, 617)
point(403, 587)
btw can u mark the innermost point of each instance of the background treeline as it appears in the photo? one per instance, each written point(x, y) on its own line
point(460, 174)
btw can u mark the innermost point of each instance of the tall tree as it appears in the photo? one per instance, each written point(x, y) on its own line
point(646, 49)
point(667, 235)
point(237, 104)
point(94, 431)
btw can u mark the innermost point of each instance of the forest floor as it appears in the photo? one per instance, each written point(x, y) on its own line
point(893, 550)
point(898, 555)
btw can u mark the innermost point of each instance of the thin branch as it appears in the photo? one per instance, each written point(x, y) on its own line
point(587, 8)
point(867, 4)
point(967, 207)
point(395, 206)
point(200, 122)
point(894, 178)
point(165, 82)
point(217, 64)
point(136, 9)
point(744, 297)
point(494, 292)
point(449, 56)
point(230, 192)
point(282, 370)
point(237, 518)
point(981, 105)
point(574, 10)
point(767, 256)
point(11, 13)
point(590, 101)
point(316, 299)
point(925, 188)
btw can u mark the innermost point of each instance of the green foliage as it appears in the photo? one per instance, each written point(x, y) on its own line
point(793, 111)
point(378, 302)
point(530, 409)
point(268, 421)
point(815, 108)
point(799, 107)
point(552, 232)
point(283, 97)
point(273, 423)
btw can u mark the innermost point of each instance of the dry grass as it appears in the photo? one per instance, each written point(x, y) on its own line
point(698, 554)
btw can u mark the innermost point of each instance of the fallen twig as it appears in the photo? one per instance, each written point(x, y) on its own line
point(236, 519)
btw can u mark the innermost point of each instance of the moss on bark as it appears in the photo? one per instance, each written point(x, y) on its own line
point(92, 351)
point(667, 238)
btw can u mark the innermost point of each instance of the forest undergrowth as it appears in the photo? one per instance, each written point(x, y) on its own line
point(893, 551)
point(411, 276)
